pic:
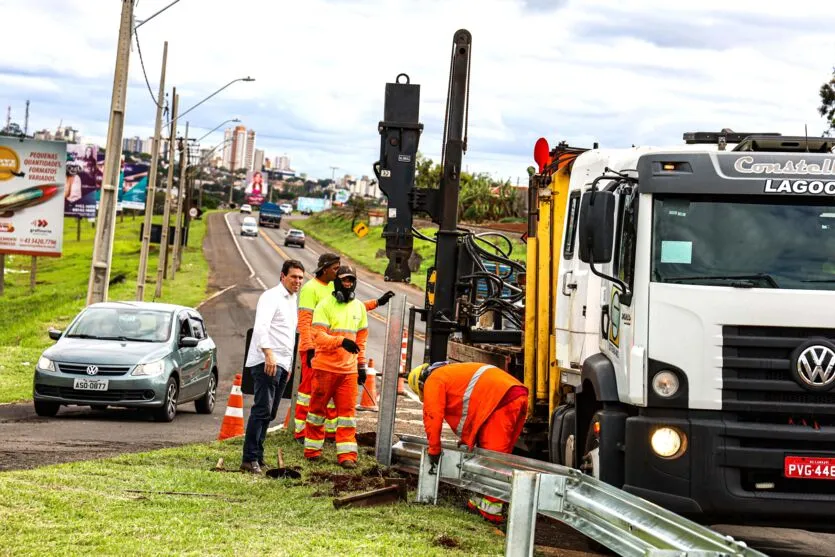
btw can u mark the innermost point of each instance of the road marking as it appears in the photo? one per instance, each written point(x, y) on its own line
point(215, 295)
point(241, 253)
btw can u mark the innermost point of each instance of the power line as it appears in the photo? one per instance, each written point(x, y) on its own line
point(142, 63)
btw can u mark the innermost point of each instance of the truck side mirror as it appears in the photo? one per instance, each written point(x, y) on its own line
point(597, 226)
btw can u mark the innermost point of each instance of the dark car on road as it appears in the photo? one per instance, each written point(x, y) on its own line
point(129, 354)
point(295, 237)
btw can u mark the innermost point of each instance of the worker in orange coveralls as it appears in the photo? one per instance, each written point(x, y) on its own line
point(313, 292)
point(484, 406)
point(340, 331)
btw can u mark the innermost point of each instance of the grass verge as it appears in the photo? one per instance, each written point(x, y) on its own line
point(333, 229)
point(61, 292)
point(88, 508)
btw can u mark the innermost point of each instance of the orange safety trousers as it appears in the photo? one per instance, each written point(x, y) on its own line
point(499, 433)
point(342, 387)
point(303, 403)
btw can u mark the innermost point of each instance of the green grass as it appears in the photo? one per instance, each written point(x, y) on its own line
point(334, 230)
point(86, 508)
point(61, 292)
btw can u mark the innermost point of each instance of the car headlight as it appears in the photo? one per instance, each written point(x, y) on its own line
point(668, 442)
point(46, 364)
point(665, 384)
point(150, 369)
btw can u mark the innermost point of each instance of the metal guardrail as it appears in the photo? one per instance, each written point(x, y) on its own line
point(625, 523)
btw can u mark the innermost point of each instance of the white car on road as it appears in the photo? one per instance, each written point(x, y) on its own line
point(249, 227)
point(246, 208)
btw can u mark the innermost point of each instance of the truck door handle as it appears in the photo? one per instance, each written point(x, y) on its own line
point(604, 320)
point(569, 285)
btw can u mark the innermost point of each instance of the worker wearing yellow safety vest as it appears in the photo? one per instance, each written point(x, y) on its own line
point(340, 331)
point(313, 292)
point(484, 406)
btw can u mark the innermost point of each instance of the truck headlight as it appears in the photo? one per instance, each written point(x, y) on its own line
point(151, 369)
point(668, 442)
point(665, 384)
point(46, 364)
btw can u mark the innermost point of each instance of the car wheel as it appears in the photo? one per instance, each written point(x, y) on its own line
point(206, 404)
point(46, 409)
point(286, 244)
point(168, 410)
point(301, 246)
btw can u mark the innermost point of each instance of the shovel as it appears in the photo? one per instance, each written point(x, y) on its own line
point(281, 471)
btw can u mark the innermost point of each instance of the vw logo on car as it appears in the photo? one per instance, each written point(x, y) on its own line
point(92, 370)
point(813, 365)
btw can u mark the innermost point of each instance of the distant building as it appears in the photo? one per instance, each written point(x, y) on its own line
point(282, 162)
point(238, 149)
point(44, 135)
point(68, 134)
point(258, 162)
point(267, 164)
point(132, 144)
point(249, 162)
point(228, 136)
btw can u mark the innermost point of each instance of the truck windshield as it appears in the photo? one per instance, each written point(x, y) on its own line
point(744, 242)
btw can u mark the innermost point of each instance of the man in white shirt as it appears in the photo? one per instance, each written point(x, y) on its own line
point(269, 359)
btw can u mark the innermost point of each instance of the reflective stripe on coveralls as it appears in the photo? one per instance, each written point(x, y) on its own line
point(467, 394)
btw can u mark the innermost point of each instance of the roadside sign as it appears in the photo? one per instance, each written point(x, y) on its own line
point(192, 212)
point(361, 229)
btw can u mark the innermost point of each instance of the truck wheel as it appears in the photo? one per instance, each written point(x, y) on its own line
point(561, 436)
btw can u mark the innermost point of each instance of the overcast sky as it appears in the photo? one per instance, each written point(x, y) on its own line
point(611, 71)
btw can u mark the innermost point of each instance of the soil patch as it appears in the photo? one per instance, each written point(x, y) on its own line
point(447, 541)
point(367, 439)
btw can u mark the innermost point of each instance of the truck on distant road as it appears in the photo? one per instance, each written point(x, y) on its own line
point(270, 215)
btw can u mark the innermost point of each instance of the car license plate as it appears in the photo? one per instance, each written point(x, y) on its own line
point(82, 384)
point(809, 468)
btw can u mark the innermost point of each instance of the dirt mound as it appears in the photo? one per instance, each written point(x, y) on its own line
point(446, 541)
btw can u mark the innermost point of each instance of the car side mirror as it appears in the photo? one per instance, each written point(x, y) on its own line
point(597, 226)
point(55, 334)
point(189, 342)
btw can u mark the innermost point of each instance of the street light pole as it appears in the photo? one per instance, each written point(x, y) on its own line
point(152, 184)
point(166, 214)
point(181, 189)
point(98, 284)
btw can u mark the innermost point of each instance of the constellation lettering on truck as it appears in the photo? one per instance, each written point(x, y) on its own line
point(799, 187)
point(746, 165)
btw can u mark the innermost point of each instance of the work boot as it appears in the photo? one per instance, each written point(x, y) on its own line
point(348, 464)
point(313, 458)
point(264, 466)
point(251, 467)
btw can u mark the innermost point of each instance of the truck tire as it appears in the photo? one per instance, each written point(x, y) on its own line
point(562, 432)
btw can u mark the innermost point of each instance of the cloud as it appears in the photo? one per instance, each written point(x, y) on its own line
point(641, 72)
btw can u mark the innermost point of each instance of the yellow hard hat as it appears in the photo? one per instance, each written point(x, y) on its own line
point(414, 380)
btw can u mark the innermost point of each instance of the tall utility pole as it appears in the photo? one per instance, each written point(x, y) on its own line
point(152, 184)
point(166, 214)
point(106, 220)
point(181, 189)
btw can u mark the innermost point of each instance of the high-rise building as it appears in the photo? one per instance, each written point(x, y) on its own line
point(268, 164)
point(258, 162)
point(249, 162)
point(132, 144)
point(238, 149)
point(282, 162)
point(228, 134)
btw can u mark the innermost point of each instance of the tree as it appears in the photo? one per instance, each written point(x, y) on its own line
point(827, 107)
point(358, 207)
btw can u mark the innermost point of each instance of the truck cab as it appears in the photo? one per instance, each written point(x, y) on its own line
point(695, 342)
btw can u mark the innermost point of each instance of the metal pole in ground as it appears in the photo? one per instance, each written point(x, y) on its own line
point(97, 286)
point(166, 214)
point(152, 185)
point(521, 517)
point(181, 189)
point(391, 369)
point(2, 273)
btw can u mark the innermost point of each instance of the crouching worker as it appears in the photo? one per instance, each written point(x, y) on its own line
point(484, 406)
point(340, 331)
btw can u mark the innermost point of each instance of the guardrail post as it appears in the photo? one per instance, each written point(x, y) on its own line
point(521, 517)
point(427, 489)
point(391, 369)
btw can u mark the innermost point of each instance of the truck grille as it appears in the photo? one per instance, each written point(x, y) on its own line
point(114, 395)
point(756, 372)
point(81, 369)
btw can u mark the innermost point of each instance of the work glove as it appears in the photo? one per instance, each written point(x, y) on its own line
point(361, 374)
point(434, 460)
point(310, 353)
point(384, 299)
point(350, 346)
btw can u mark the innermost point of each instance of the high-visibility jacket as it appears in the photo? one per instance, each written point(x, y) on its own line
point(464, 395)
point(332, 322)
point(313, 292)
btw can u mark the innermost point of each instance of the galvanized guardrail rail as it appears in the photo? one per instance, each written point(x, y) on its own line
point(619, 520)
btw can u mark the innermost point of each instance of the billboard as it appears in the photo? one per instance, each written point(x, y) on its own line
point(133, 185)
point(85, 166)
point(32, 191)
point(257, 188)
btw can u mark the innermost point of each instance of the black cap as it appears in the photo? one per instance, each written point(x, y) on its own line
point(326, 260)
point(346, 271)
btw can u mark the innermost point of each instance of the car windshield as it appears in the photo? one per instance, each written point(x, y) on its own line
point(744, 242)
point(249, 221)
point(296, 233)
point(127, 324)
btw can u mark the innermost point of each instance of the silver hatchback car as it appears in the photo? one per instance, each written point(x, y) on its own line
point(129, 354)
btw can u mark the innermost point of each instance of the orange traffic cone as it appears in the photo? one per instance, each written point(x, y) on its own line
point(401, 381)
point(233, 421)
point(369, 393)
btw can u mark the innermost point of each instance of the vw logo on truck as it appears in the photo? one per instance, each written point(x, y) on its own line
point(814, 365)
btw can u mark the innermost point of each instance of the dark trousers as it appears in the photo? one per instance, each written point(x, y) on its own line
point(268, 391)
